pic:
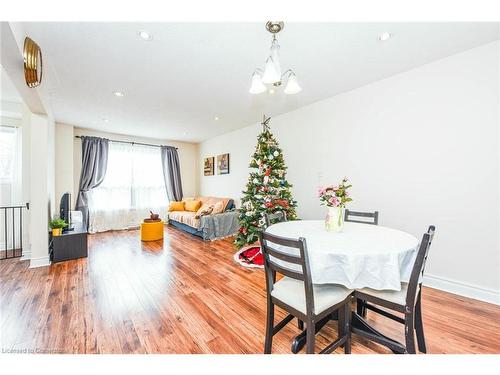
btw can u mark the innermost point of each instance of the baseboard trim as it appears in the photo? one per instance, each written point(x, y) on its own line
point(463, 289)
point(39, 262)
point(26, 255)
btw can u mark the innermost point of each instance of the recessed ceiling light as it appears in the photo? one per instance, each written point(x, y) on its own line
point(145, 35)
point(118, 93)
point(185, 133)
point(385, 36)
point(271, 91)
point(105, 119)
point(216, 118)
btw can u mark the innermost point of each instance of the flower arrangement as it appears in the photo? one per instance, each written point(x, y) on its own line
point(335, 196)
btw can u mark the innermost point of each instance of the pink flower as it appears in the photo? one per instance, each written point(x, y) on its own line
point(333, 201)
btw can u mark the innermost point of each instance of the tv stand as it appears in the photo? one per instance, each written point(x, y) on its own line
point(71, 244)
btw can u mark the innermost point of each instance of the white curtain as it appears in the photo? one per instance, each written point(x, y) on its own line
point(132, 187)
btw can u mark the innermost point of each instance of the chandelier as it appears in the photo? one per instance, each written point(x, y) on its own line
point(271, 75)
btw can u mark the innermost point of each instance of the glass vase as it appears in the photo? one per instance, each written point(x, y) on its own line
point(334, 221)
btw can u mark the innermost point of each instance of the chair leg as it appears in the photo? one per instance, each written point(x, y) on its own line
point(360, 307)
point(410, 333)
point(347, 327)
point(341, 323)
point(300, 324)
point(419, 325)
point(269, 328)
point(310, 336)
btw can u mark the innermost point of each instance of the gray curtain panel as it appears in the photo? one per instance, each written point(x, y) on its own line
point(171, 172)
point(94, 164)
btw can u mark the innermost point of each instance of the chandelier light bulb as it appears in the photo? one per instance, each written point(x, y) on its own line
point(292, 86)
point(257, 86)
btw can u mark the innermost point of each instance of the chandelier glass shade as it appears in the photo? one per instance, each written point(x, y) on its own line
point(292, 87)
point(257, 86)
point(272, 73)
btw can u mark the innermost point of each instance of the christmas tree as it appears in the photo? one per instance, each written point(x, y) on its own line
point(267, 190)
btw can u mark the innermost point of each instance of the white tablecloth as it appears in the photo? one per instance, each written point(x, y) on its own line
point(360, 256)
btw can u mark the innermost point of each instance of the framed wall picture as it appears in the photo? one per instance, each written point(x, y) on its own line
point(209, 166)
point(223, 164)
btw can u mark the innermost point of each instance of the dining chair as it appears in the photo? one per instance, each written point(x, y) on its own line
point(279, 217)
point(407, 301)
point(296, 294)
point(370, 215)
point(275, 217)
point(360, 308)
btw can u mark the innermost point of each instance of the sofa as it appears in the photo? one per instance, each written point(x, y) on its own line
point(209, 226)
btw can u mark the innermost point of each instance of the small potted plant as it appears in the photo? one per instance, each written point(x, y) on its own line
point(335, 198)
point(57, 226)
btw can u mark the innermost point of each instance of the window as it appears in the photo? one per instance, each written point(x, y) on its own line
point(8, 135)
point(10, 165)
point(133, 186)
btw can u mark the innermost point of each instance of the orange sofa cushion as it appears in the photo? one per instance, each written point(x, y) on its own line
point(214, 200)
point(176, 206)
point(192, 205)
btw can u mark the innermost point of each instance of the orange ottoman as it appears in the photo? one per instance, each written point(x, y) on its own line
point(152, 231)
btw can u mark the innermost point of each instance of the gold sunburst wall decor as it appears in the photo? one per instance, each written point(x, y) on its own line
point(33, 66)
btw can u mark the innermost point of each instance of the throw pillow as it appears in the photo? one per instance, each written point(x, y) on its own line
point(176, 206)
point(218, 208)
point(192, 206)
point(206, 209)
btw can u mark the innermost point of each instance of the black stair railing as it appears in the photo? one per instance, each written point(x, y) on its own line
point(11, 226)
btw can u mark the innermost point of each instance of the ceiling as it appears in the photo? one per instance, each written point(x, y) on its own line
point(10, 103)
point(189, 73)
point(8, 92)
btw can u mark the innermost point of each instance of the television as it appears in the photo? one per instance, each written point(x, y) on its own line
point(65, 210)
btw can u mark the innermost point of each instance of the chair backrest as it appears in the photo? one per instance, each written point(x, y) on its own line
point(417, 272)
point(275, 217)
point(295, 266)
point(370, 215)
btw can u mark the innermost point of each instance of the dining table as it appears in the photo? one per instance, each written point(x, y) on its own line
point(359, 256)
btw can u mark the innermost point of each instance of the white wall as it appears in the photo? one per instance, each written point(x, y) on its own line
point(64, 141)
point(26, 177)
point(40, 145)
point(38, 173)
point(188, 158)
point(51, 166)
point(421, 147)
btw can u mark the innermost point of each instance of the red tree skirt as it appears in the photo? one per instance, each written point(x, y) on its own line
point(250, 256)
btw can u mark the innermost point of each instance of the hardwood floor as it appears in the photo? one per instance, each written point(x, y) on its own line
point(184, 295)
